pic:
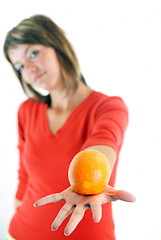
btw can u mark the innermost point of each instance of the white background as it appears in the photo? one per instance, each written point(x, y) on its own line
point(118, 44)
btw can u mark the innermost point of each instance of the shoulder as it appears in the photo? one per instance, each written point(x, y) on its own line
point(107, 102)
point(28, 106)
point(25, 105)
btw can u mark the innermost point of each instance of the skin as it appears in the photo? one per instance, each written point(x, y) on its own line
point(77, 204)
point(39, 66)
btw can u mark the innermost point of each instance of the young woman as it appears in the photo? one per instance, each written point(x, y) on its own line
point(52, 129)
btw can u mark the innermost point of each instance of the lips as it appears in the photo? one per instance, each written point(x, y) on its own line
point(39, 76)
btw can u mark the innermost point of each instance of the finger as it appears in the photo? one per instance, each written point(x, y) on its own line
point(63, 213)
point(76, 217)
point(96, 211)
point(122, 195)
point(48, 199)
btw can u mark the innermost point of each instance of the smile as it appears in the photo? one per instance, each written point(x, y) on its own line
point(39, 76)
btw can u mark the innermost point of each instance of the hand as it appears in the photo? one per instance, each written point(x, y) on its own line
point(17, 204)
point(77, 204)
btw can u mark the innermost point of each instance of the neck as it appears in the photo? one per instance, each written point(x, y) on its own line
point(61, 100)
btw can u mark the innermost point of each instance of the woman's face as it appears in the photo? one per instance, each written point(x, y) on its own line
point(38, 65)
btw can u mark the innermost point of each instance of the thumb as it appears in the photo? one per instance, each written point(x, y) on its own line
point(121, 195)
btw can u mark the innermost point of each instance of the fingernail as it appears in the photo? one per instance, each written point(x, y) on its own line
point(54, 228)
point(34, 205)
point(96, 220)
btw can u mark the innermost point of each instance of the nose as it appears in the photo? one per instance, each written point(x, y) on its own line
point(30, 66)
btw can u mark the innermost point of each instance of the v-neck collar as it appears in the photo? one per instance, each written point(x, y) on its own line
point(70, 117)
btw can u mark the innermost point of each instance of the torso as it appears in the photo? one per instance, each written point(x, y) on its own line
point(45, 160)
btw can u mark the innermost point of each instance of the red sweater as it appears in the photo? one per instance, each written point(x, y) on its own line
point(45, 158)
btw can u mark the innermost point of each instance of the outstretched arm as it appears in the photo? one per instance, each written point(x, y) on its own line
point(77, 204)
point(109, 152)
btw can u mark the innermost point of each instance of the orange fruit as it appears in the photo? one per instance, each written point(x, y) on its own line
point(89, 172)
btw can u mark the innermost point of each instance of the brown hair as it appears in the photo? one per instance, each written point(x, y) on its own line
point(40, 29)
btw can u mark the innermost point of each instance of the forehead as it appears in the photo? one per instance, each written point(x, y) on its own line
point(17, 48)
point(18, 51)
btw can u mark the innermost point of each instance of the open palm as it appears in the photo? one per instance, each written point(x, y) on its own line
point(77, 204)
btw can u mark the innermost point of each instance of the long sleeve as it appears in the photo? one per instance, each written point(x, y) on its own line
point(111, 119)
point(22, 175)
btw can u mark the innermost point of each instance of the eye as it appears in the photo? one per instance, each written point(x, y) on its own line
point(34, 54)
point(20, 69)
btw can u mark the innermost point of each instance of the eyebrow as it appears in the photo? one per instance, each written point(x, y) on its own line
point(26, 50)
